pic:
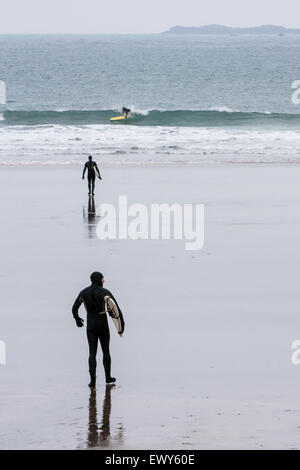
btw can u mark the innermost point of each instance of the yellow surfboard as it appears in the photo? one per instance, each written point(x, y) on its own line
point(118, 118)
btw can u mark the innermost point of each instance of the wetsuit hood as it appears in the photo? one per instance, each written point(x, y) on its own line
point(96, 278)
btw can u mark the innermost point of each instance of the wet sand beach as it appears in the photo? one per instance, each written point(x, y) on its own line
point(205, 362)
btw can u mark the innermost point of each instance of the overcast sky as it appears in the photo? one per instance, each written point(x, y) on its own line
point(140, 16)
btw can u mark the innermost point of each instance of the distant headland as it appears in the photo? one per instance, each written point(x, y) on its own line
point(220, 29)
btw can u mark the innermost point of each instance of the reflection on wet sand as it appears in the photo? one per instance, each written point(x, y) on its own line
point(100, 436)
point(90, 217)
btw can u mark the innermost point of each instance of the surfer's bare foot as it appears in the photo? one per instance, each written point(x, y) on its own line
point(110, 380)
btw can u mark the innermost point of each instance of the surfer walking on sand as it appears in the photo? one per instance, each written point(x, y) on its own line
point(91, 167)
point(93, 298)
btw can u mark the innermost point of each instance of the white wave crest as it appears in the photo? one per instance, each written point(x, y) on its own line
point(65, 145)
point(223, 109)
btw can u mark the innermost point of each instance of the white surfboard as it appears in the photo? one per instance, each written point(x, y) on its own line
point(115, 314)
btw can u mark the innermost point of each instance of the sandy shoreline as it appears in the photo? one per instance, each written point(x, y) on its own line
point(206, 359)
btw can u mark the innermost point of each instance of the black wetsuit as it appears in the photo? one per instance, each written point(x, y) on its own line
point(126, 111)
point(97, 325)
point(91, 168)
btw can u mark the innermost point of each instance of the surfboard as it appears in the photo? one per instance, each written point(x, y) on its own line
point(115, 314)
point(118, 118)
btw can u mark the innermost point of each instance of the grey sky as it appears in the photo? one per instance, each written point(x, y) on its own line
point(140, 16)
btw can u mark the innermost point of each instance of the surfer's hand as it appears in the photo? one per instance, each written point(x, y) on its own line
point(79, 322)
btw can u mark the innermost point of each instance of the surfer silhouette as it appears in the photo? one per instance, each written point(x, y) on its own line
point(91, 167)
point(97, 324)
point(126, 111)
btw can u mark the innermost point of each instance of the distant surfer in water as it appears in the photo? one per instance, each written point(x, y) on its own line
point(97, 324)
point(91, 168)
point(126, 111)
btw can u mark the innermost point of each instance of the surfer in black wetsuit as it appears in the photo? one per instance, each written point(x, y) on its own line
point(97, 325)
point(91, 167)
point(126, 111)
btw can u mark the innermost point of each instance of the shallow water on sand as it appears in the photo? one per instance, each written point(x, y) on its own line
point(205, 361)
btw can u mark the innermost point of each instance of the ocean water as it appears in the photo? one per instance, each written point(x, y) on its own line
point(194, 99)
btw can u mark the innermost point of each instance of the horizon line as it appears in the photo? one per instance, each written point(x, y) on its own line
point(141, 33)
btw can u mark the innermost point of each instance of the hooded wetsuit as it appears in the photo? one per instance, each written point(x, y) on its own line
point(91, 168)
point(97, 325)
